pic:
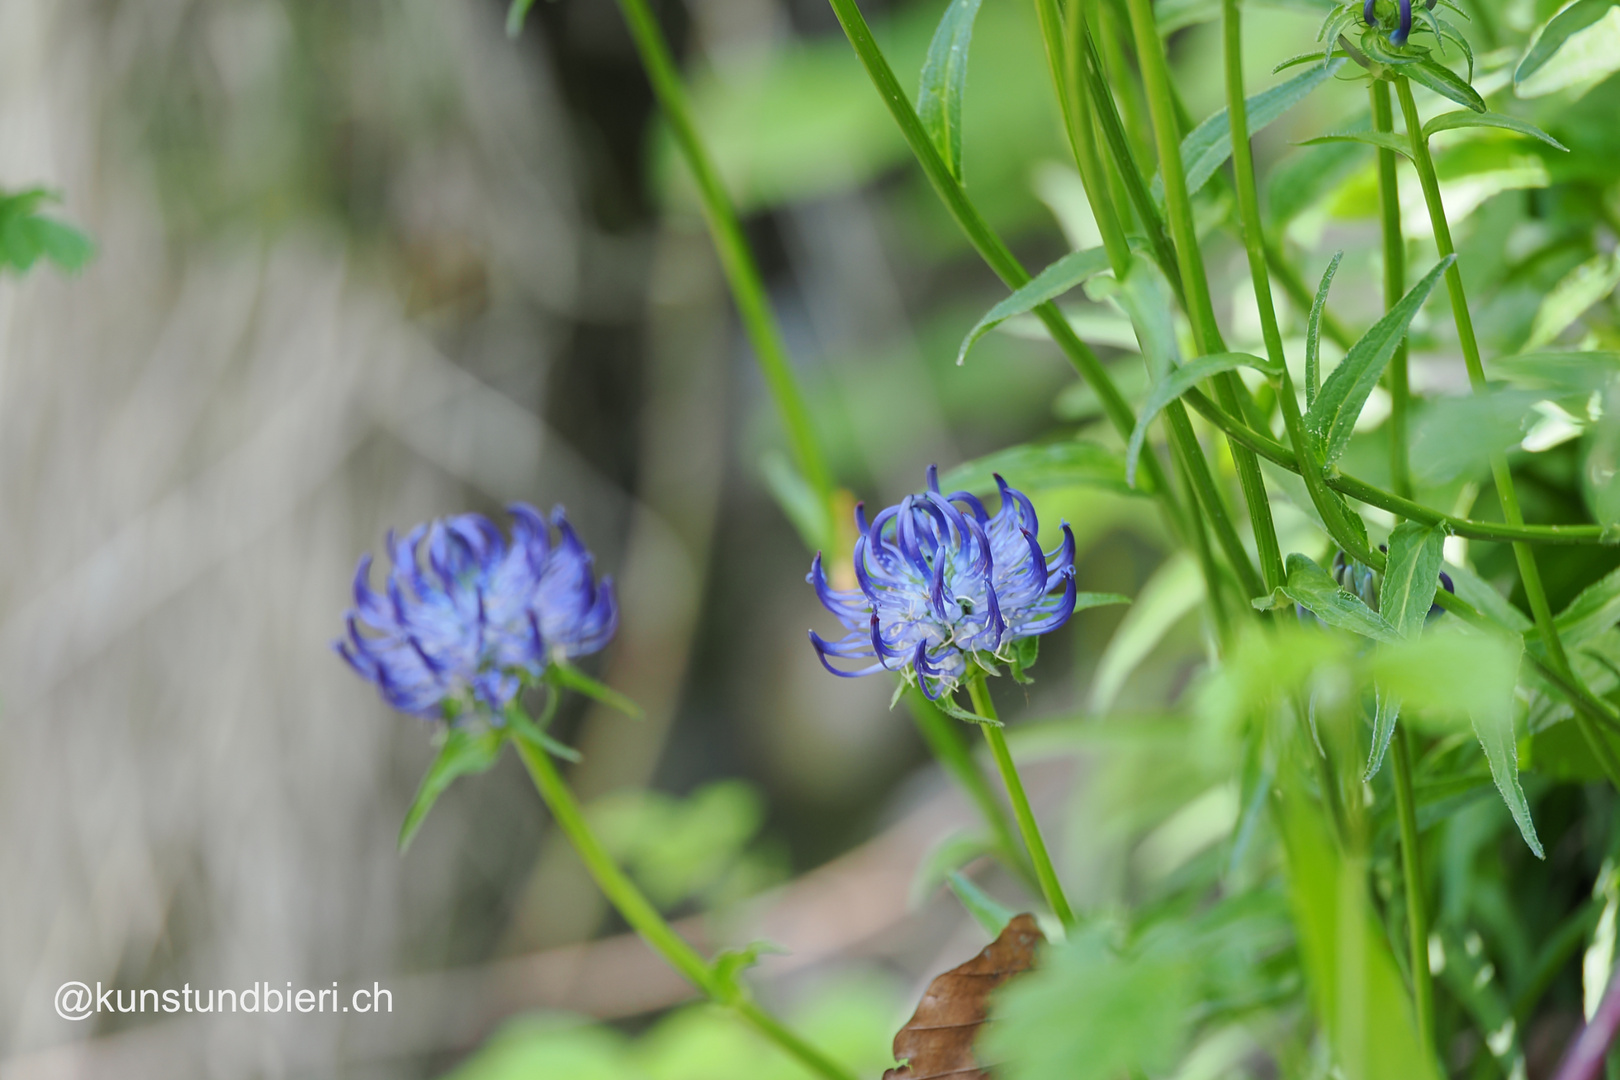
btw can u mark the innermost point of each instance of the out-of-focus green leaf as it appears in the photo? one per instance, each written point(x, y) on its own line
point(1478, 987)
point(678, 848)
point(1314, 589)
point(1580, 289)
point(564, 674)
point(1178, 382)
point(1577, 372)
point(1453, 436)
point(1552, 37)
point(944, 78)
point(1303, 178)
point(26, 236)
point(797, 499)
point(1208, 145)
point(945, 858)
point(1057, 279)
point(1088, 1013)
point(1332, 417)
point(986, 910)
point(1355, 987)
point(1443, 81)
point(1595, 610)
point(1043, 467)
point(1466, 119)
point(1486, 600)
point(1175, 588)
point(465, 750)
point(1146, 297)
point(1562, 752)
point(1384, 140)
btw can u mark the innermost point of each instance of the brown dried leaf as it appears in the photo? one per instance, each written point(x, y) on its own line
point(938, 1039)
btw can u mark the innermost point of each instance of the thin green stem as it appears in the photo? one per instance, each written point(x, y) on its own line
point(1417, 917)
point(1302, 296)
point(944, 738)
point(742, 273)
point(1031, 830)
point(644, 918)
point(1178, 206)
point(1389, 205)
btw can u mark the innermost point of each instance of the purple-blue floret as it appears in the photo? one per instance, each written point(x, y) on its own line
point(464, 630)
point(1397, 36)
point(941, 579)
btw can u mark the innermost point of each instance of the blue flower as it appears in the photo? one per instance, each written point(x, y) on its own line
point(941, 579)
point(1398, 35)
point(464, 631)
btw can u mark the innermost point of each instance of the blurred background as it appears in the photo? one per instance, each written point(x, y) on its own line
point(365, 263)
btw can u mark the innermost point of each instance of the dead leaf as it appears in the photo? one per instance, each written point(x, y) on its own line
point(938, 1039)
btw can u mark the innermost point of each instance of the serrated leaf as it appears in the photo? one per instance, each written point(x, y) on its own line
point(465, 751)
point(1313, 332)
point(1551, 37)
point(564, 674)
point(1411, 576)
point(1386, 711)
point(1043, 467)
point(1332, 417)
point(986, 910)
point(1057, 279)
point(1443, 81)
point(1314, 589)
point(944, 78)
point(1572, 296)
point(1178, 382)
point(1208, 145)
point(1467, 119)
point(1384, 140)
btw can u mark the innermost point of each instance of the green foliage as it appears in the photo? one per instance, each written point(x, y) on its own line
point(1051, 283)
point(1176, 383)
point(464, 751)
point(26, 236)
point(944, 80)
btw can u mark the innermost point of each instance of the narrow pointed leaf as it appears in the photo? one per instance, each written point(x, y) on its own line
point(1443, 81)
point(1057, 279)
point(1332, 417)
point(1179, 381)
point(944, 78)
point(1464, 119)
point(566, 675)
point(1573, 19)
point(1386, 711)
point(1313, 332)
point(986, 910)
point(1208, 145)
point(1043, 467)
point(1384, 140)
point(465, 751)
point(1411, 577)
point(1575, 292)
point(1314, 589)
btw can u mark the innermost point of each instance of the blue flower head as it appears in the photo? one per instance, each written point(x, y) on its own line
point(462, 632)
point(941, 579)
point(1403, 31)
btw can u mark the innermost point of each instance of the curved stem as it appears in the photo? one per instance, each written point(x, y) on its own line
point(647, 922)
point(1031, 830)
point(1417, 915)
point(742, 273)
point(1178, 209)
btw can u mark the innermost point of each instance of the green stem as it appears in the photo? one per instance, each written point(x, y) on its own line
point(645, 920)
point(747, 285)
point(1389, 204)
point(1417, 918)
point(1178, 206)
point(945, 741)
point(1050, 886)
point(1303, 296)
point(1523, 553)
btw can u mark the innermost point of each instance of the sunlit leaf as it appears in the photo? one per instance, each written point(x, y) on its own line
point(1550, 38)
point(1466, 119)
point(1571, 297)
point(1043, 467)
point(1332, 417)
point(1456, 436)
point(1384, 140)
point(944, 78)
point(1178, 382)
point(1175, 588)
point(1443, 81)
point(1057, 279)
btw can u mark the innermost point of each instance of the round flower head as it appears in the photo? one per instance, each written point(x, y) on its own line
point(463, 631)
point(941, 579)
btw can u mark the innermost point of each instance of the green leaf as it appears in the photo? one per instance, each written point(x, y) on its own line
point(1582, 287)
point(1304, 177)
point(1465, 119)
point(986, 910)
point(25, 237)
point(1043, 467)
point(563, 674)
point(1208, 145)
point(1146, 297)
point(1386, 710)
point(1025, 651)
point(797, 500)
point(1179, 381)
point(944, 77)
point(1551, 37)
point(1443, 81)
point(1456, 436)
point(729, 964)
point(1313, 332)
point(1577, 372)
point(1356, 989)
point(1332, 417)
point(515, 14)
point(1314, 589)
point(1384, 140)
point(1595, 610)
point(1049, 284)
point(1176, 588)
point(1411, 576)
point(1479, 594)
point(466, 750)
point(957, 850)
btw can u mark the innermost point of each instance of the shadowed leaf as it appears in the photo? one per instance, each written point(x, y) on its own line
point(938, 1040)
